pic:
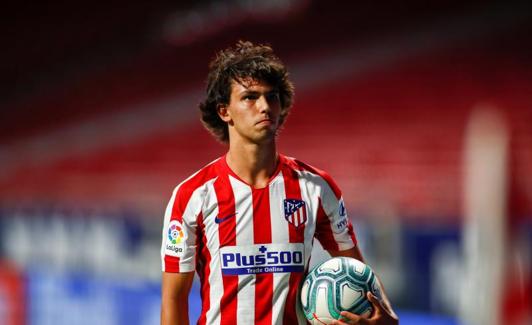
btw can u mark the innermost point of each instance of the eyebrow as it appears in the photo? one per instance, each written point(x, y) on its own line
point(255, 92)
point(249, 92)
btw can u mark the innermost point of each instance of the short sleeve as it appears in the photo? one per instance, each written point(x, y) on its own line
point(178, 247)
point(333, 228)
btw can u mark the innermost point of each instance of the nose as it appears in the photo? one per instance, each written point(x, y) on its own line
point(263, 104)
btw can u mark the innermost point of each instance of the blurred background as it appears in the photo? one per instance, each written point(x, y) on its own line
point(421, 112)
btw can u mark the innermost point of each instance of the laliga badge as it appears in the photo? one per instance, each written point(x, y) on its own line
point(175, 239)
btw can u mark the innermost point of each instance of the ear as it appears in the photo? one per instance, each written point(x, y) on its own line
point(223, 112)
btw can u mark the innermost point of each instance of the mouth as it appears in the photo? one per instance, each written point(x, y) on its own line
point(265, 121)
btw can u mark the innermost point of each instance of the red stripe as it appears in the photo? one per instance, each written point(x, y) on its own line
point(171, 264)
point(296, 235)
point(262, 235)
point(203, 268)
point(324, 232)
point(227, 237)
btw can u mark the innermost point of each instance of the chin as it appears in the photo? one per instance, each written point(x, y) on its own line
point(265, 138)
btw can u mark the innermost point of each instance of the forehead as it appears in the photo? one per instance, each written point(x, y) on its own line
point(250, 84)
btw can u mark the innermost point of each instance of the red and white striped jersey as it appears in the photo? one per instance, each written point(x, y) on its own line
point(251, 247)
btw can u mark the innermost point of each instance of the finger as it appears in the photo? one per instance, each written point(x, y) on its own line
point(352, 318)
point(376, 303)
point(372, 298)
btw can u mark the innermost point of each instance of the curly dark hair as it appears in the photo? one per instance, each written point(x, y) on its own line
point(244, 60)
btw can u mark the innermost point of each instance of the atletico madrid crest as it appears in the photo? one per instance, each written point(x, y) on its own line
point(295, 212)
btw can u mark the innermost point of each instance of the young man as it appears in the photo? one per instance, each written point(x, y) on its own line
point(246, 221)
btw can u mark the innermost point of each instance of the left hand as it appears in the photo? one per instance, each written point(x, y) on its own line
point(381, 316)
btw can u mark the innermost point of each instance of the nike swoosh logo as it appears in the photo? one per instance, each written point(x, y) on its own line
point(220, 220)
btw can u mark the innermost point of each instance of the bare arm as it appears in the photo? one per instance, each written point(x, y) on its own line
point(355, 253)
point(174, 305)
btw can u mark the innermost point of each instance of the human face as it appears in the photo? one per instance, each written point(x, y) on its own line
point(253, 111)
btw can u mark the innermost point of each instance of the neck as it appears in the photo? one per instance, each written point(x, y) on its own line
point(253, 163)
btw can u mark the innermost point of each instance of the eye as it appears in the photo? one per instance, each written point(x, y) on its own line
point(249, 97)
point(273, 97)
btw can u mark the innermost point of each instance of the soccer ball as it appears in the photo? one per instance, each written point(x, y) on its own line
point(340, 283)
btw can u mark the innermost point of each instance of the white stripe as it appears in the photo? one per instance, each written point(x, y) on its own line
point(292, 218)
point(310, 194)
point(244, 237)
point(213, 243)
point(310, 185)
point(187, 262)
point(280, 234)
point(330, 206)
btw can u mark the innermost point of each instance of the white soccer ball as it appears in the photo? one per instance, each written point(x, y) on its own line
point(340, 283)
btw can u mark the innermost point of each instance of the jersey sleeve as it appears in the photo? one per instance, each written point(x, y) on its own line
point(333, 228)
point(178, 249)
